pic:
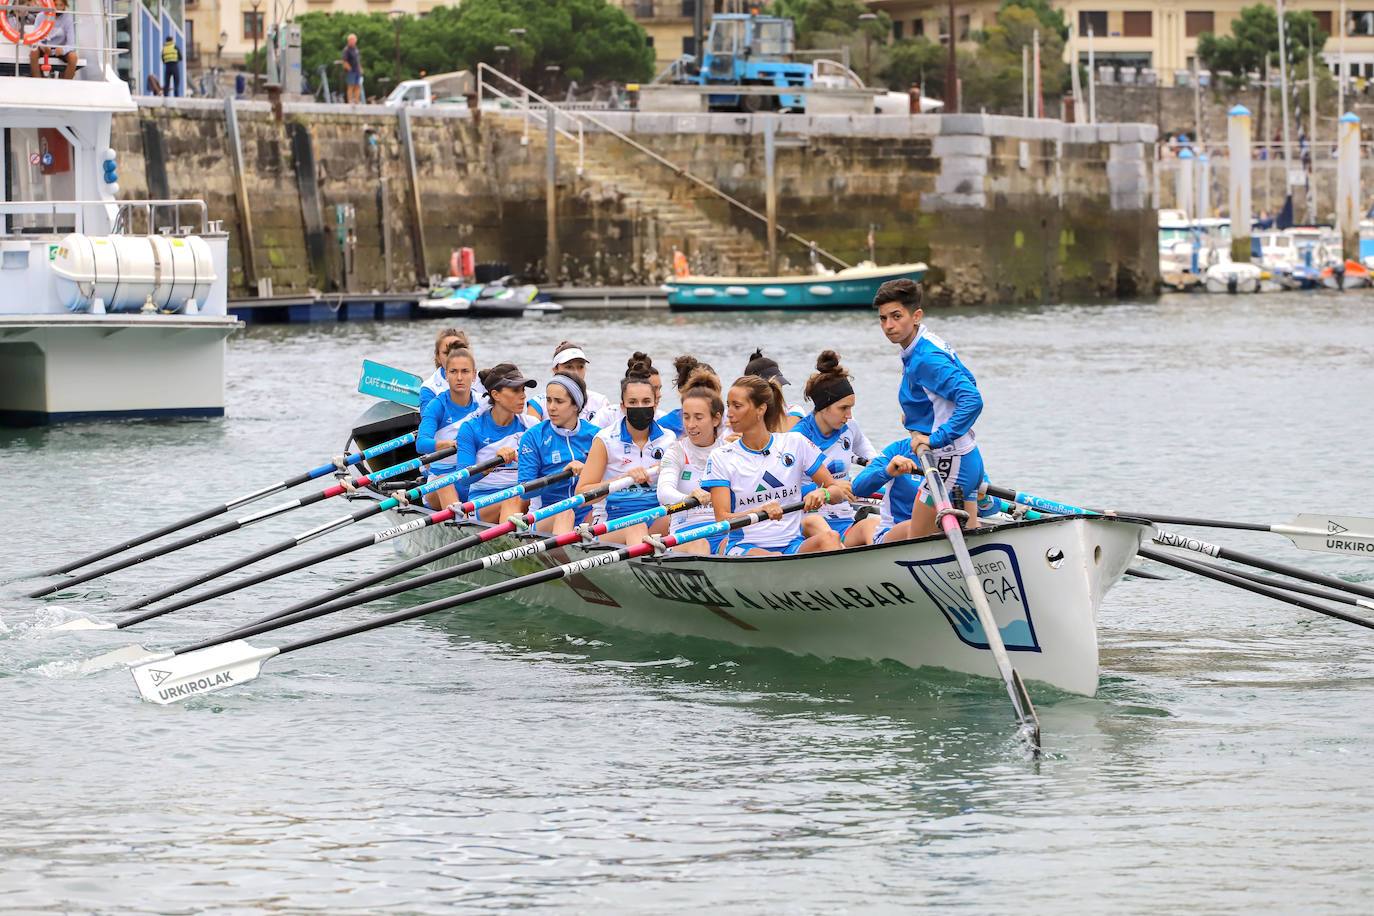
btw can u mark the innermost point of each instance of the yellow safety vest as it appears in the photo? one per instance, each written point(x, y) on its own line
point(169, 54)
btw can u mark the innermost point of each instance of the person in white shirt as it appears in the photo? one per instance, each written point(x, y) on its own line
point(639, 362)
point(60, 42)
point(570, 359)
point(683, 468)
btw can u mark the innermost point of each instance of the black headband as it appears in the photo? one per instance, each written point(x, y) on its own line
point(829, 394)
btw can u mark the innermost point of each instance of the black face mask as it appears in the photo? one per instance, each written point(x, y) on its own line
point(639, 417)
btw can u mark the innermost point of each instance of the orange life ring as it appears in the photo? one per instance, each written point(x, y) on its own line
point(42, 29)
point(679, 259)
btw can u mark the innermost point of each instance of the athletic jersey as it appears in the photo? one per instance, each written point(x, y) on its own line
point(774, 474)
point(672, 420)
point(440, 419)
point(840, 449)
point(595, 402)
point(437, 384)
point(612, 414)
point(478, 440)
point(938, 395)
point(682, 470)
point(901, 490)
point(622, 454)
point(546, 448)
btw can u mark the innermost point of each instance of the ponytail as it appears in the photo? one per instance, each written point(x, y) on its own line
point(766, 394)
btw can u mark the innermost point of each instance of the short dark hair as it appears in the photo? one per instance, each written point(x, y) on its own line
point(904, 292)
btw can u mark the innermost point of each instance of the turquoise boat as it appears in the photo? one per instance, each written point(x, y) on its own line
point(853, 287)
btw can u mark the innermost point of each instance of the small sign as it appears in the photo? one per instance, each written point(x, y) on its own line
point(1297, 178)
point(35, 159)
point(47, 158)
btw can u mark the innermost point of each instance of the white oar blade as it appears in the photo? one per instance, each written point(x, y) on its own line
point(203, 671)
point(1331, 534)
point(129, 655)
point(84, 623)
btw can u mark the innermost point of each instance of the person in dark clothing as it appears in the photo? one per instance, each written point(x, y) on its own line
point(171, 67)
point(353, 71)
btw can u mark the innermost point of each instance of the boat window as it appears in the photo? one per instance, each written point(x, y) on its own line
point(38, 167)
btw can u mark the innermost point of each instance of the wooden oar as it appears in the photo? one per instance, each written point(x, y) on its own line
point(341, 522)
point(1168, 539)
point(481, 502)
point(1028, 725)
point(229, 664)
point(339, 464)
point(224, 528)
point(1346, 534)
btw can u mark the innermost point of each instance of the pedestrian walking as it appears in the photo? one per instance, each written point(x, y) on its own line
point(353, 71)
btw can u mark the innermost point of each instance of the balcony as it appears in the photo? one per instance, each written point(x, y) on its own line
point(660, 10)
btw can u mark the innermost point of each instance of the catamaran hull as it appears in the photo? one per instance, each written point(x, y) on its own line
point(1044, 580)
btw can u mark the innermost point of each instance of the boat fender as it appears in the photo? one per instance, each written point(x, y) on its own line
point(1232, 283)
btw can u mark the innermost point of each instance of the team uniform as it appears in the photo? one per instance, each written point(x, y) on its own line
point(478, 440)
point(595, 402)
point(622, 453)
point(775, 474)
point(901, 492)
point(614, 414)
point(939, 397)
point(437, 384)
point(840, 450)
point(672, 420)
point(682, 470)
point(441, 419)
point(546, 448)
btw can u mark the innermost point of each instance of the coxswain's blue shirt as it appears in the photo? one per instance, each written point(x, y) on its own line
point(939, 396)
point(546, 448)
point(901, 490)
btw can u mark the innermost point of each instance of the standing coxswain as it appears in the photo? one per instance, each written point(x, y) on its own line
point(939, 399)
point(563, 440)
point(683, 468)
point(441, 418)
point(494, 432)
point(569, 359)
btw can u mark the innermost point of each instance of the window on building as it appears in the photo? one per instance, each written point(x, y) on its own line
point(964, 25)
point(897, 29)
point(648, 41)
point(918, 28)
point(1195, 22)
point(642, 9)
point(1361, 22)
point(1324, 20)
point(1136, 23)
point(1094, 21)
point(252, 25)
point(689, 45)
point(689, 9)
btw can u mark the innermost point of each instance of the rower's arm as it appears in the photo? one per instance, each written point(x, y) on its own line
point(594, 468)
point(951, 383)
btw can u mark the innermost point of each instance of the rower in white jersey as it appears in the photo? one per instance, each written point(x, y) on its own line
point(763, 469)
point(494, 432)
point(634, 446)
point(831, 427)
point(612, 414)
point(437, 383)
point(767, 369)
point(683, 469)
point(570, 359)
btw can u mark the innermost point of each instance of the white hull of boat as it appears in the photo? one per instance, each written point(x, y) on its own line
point(1044, 580)
point(1233, 278)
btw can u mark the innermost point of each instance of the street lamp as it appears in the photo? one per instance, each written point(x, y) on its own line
point(257, 30)
point(219, 50)
point(866, 18)
point(396, 16)
point(552, 76)
point(516, 34)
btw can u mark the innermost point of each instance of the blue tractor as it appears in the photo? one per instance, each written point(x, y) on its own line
point(750, 50)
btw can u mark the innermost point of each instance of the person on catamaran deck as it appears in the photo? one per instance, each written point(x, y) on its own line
point(683, 468)
point(561, 440)
point(633, 446)
point(767, 369)
point(831, 427)
point(612, 414)
point(570, 359)
point(441, 418)
point(437, 384)
point(939, 399)
point(763, 469)
point(685, 366)
point(497, 431)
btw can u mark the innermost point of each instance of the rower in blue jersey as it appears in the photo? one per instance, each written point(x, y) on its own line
point(560, 441)
point(762, 469)
point(440, 419)
point(632, 447)
point(895, 473)
point(938, 396)
point(437, 384)
point(831, 427)
point(494, 432)
point(569, 359)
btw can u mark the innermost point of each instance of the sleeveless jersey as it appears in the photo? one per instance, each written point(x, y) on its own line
point(775, 474)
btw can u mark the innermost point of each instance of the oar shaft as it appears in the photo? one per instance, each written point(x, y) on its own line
point(1294, 587)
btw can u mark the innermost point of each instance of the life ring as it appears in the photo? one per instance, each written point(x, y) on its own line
point(680, 266)
point(38, 33)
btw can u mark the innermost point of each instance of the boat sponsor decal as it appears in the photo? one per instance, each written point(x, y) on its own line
point(1169, 539)
point(689, 586)
point(580, 584)
point(1000, 579)
point(1335, 528)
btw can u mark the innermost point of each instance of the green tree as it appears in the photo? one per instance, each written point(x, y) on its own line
point(1051, 20)
point(916, 60)
point(992, 76)
point(1254, 41)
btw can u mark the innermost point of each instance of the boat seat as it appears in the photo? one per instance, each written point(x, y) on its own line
point(12, 67)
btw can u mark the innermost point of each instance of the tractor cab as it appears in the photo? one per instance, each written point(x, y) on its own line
point(738, 41)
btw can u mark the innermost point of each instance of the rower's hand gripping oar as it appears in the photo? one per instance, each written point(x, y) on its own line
point(228, 664)
point(224, 528)
point(339, 464)
point(1029, 725)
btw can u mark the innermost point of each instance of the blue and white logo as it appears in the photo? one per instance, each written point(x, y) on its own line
point(1000, 580)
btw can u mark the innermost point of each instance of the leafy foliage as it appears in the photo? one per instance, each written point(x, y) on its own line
point(1254, 40)
point(993, 78)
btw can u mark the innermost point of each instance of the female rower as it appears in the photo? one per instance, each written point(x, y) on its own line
point(612, 414)
point(767, 369)
point(831, 427)
point(761, 469)
point(896, 469)
point(440, 420)
point(436, 384)
point(684, 464)
point(561, 441)
point(633, 446)
point(686, 367)
point(569, 359)
point(497, 432)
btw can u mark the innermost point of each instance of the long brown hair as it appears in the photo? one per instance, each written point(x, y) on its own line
point(449, 332)
point(765, 394)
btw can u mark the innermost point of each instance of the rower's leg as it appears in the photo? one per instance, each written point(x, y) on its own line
point(561, 523)
point(971, 507)
point(826, 540)
point(441, 498)
point(700, 547)
point(922, 519)
point(661, 526)
point(861, 532)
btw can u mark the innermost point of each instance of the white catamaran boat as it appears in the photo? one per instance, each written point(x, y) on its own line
point(110, 308)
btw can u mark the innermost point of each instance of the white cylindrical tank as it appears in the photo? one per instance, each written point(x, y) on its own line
point(127, 271)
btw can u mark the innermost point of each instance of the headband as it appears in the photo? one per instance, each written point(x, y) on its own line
point(573, 391)
point(840, 388)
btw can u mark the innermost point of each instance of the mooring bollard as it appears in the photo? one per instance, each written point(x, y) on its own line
point(1238, 152)
point(1348, 185)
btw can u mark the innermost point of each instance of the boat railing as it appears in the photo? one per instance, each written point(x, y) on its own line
point(25, 18)
point(159, 216)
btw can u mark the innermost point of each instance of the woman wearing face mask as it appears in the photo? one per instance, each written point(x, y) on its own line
point(831, 427)
point(684, 465)
point(561, 441)
point(634, 446)
point(642, 364)
point(440, 420)
point(568, 359)
point(497, 432)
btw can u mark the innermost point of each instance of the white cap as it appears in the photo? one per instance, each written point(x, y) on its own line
point(568, 355)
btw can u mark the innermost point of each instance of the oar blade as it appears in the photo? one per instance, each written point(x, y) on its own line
point(84, 623)
point(390, 384)
point(179, 677)
point(122, 658)
point(1346, 534)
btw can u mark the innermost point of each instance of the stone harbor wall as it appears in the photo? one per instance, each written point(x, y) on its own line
point(1002, 209)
